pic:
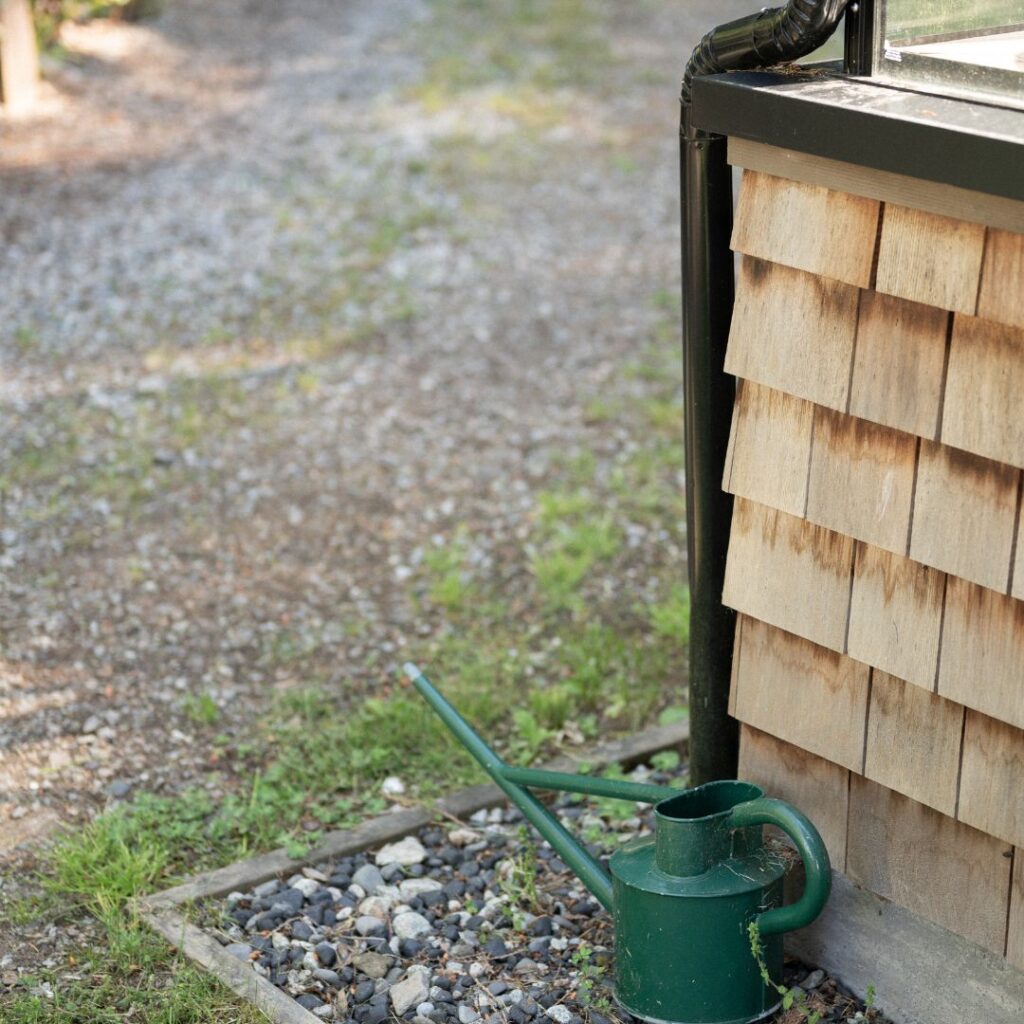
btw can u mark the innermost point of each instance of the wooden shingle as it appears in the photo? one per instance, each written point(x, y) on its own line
point(862, 479)
point(991, 793)
point(913, 742)
point(1017, 587)
point(770, 447)
point(934, 866)
point(777, 672)
point(984, 389)
point(931, 259)
point(817, 787)
point(898, 364)
point(896, 615)
point(1015, 931)
point(807, 227)
point(789, 573)
point(1001, 297)
point(981, 661)
point(964, 515)
point(793, 332)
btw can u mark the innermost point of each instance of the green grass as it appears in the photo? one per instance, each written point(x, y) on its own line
point(670, 617)
point(450, 585)
point(201, 708)
point(134, 977)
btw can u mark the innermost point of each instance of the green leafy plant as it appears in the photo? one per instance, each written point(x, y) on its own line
point(518, 880)
point(201, 709)
point(529, 736)
point(589, 980)
point(671, 618)
point(791, 997)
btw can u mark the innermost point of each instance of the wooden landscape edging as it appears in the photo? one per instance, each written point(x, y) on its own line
point(160, 911)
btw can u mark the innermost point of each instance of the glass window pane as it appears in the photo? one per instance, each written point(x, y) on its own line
point(971, 49)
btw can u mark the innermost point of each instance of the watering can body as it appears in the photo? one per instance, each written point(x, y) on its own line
point(682, 948)
point(691, 902)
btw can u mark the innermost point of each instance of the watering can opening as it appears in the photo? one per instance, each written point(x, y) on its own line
point(707, 801)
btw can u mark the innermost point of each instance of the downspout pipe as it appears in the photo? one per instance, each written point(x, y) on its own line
point(767, 37)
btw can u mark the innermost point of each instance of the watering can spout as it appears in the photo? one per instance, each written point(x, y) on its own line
point(513, 782)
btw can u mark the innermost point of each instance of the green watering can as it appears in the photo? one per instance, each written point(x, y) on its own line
point(682, 899)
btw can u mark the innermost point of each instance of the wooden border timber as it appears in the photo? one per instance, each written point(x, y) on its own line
point(161, 910)
point(922, 974)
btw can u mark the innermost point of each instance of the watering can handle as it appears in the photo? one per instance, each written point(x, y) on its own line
point(809, 844)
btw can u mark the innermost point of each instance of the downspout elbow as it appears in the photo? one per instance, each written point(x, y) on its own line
point(771, 36)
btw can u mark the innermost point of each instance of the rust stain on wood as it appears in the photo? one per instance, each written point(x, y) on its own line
point(984, 388)
point(793, 331)
point(1001, 296)
point(807, 227)
point(964, 515)
point(780, 671)
point(929, 258)
point(896, 615)
point(861, 479)
point(898, 367)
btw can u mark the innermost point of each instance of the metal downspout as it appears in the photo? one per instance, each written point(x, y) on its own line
point(761, 39)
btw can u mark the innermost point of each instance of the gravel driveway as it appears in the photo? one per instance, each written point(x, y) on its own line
point(292, 294)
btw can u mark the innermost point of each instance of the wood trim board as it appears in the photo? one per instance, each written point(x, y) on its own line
point(932, 196)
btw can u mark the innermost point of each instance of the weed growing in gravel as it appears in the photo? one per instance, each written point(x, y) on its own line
point(590, 980)
point(450, 586)
point(201, 708)
point(791, 997)
point(519, 879)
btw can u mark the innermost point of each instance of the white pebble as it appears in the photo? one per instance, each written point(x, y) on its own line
point(410, 888)
point(411, 925)
point(406, 851)
point(392, 786)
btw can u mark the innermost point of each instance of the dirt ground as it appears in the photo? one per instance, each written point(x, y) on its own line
point(291, 293)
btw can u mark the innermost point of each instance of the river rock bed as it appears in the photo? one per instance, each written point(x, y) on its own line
point(463, 923)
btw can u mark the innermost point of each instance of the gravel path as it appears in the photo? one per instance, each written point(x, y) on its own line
point(279, 314)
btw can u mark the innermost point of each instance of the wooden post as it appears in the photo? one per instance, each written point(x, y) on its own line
point(19, 57)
